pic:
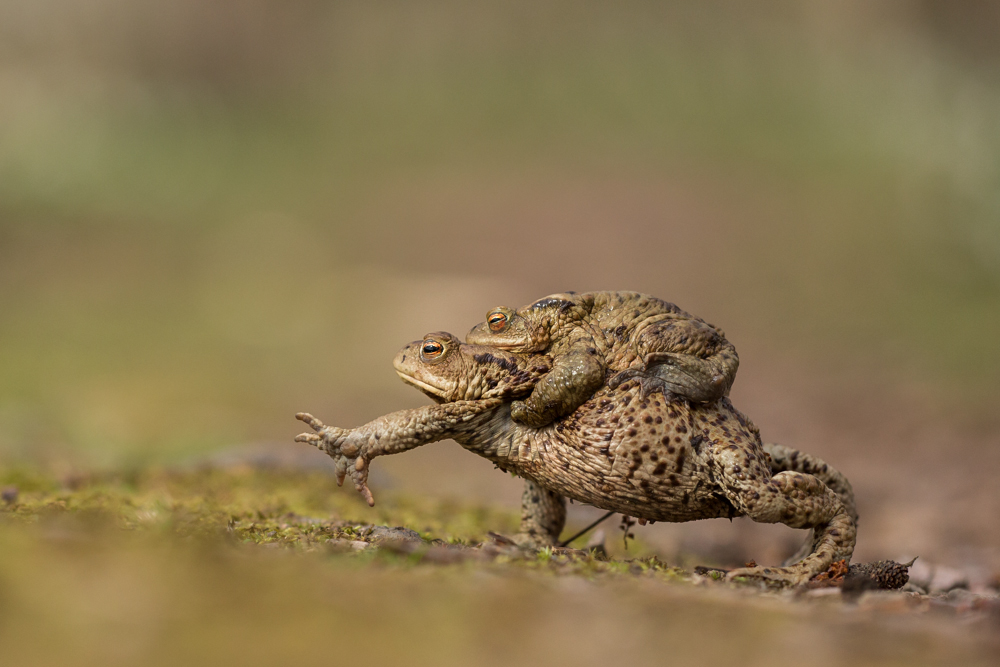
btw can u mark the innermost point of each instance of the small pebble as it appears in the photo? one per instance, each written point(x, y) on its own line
point(948, 578)
point(397, 534)
point(823, 592)
point(445, 555)
point(9, 494)
point(921, 574)
point(888, 602)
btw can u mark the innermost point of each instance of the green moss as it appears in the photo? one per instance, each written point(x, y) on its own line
point(287, 510)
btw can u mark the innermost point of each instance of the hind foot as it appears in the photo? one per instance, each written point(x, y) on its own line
point(648, 384)
point(785, 576)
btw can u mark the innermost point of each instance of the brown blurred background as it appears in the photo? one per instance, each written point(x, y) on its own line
point(215, 213)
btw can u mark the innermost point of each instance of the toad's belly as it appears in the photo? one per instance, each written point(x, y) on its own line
point(642, 457)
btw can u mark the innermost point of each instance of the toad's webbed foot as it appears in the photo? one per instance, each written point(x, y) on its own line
point(791, 575)
point(691, 356)
point(523, 412)
point(694, 379)
point(347, 449)
point(531, 541)
point(828, 544)
point(648, 384)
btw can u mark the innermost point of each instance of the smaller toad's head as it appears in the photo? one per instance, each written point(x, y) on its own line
point(532, 328)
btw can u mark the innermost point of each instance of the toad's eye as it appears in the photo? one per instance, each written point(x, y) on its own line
point(432, 349)
point(497, 321)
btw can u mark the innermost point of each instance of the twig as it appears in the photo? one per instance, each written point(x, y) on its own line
point(585, 530)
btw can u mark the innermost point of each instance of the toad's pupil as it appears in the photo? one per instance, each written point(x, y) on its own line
point(432, 348)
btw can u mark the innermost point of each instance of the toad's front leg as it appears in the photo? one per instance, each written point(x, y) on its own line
point(353, 449)
point(350, 450)
point(543, 515)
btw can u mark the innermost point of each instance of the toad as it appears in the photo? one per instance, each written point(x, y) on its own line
point(636, 336)
point(624, 451)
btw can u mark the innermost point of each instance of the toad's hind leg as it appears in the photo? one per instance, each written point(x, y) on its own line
point(686, 357)
point(648, 383)
point(688, 377)
point(798, 501)
point(788, 459)
point(543, 515)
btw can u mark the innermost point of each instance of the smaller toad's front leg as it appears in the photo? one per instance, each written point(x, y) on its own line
point(353, 449)
point(573, 379)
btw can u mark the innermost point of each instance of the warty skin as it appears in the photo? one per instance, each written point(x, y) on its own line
point(638, 335)
point(639, 455)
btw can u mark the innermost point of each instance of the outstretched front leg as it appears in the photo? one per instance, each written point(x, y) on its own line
point(349, 449)
point(353, 449)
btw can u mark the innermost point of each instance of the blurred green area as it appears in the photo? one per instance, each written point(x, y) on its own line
point(216, 213)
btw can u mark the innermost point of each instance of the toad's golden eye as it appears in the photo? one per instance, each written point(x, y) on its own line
point(497, 321)
point(432, 348)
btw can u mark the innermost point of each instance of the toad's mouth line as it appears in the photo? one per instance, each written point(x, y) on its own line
point(422, 386)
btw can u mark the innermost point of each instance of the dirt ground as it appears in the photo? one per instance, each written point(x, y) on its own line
point(264, 565)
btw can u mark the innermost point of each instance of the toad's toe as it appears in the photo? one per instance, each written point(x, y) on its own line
point(785, 576)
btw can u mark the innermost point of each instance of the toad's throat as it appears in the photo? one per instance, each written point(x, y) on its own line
point(430, 390)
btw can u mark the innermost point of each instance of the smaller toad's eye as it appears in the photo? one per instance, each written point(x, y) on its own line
point(432, 348)
point(497, 321)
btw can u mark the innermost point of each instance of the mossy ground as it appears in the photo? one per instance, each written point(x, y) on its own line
point(252, 566)
point(277, 508)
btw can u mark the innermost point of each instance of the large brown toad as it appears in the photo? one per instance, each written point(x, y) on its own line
point(644, 457)
point(640, 336)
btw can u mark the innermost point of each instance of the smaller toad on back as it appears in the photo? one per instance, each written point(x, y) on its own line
point(639, 336)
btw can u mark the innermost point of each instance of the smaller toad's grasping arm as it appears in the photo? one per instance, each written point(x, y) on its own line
point(576, 374)
point(353, 449)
